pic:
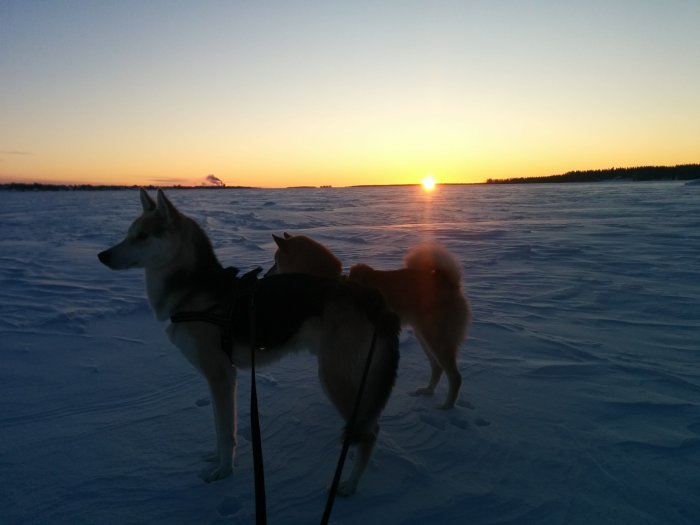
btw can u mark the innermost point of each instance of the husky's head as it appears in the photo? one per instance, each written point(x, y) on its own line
point(152, 239)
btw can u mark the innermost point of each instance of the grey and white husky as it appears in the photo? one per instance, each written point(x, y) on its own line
point(334, 319)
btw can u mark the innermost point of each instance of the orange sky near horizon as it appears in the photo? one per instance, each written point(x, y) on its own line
point(310, 93)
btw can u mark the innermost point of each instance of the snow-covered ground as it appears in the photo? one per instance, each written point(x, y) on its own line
point(581, 399)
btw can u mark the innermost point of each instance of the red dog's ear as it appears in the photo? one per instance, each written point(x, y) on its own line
point(146, 202)
point(287, 236)
point(281, 243)
point(166, 208)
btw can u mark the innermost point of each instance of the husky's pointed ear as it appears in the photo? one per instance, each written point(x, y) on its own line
point(146, 201)
point(281, 243)
point(166, 208)
point(287, 236)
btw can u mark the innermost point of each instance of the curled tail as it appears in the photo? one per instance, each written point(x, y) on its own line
point(432, 256)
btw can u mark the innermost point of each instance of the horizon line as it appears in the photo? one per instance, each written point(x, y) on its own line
point(86, 185)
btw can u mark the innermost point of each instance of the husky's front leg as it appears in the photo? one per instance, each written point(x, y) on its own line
point(222, 386)
point(201, 346)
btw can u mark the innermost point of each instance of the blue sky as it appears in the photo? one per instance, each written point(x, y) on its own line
point(288, 93)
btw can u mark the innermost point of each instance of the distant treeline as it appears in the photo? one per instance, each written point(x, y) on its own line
point(643, 173)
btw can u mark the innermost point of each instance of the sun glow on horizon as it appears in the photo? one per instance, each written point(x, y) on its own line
point(428, 183)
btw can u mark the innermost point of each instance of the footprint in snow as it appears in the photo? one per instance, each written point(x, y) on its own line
point(465, 404)
point(455, 419)
point(229, 507)
point(433, 421)
point(204, 402)
point(266, 379)
point(459, 421)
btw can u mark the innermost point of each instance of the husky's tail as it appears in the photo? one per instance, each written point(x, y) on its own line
point(432, 256)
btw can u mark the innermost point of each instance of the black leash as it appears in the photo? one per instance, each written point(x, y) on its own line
point(258, 468)
point(225, 323)
point(333, 491)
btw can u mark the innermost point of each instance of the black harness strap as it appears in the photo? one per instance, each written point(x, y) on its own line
point(236, 288)
point(209, 316)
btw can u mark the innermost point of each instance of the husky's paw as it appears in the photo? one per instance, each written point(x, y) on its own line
point(217, 473)
point(210, 457)
point(347, 488)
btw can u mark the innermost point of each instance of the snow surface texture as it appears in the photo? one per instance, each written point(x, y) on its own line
point(581, 397)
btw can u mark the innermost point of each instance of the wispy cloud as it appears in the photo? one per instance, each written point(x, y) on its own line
point(13, 153)
point(209, 180)
point(16, 152)
point(168, 181)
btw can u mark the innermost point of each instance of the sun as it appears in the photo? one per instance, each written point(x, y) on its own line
point(428, 183)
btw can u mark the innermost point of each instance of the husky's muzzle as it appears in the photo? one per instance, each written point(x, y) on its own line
point(114, 261)
point(105, 258)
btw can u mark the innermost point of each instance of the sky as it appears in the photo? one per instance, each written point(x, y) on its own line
point(289, 93)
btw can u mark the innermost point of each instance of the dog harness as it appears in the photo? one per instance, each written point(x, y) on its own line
point(268, 312)
point(238, 290)
point(281, 304)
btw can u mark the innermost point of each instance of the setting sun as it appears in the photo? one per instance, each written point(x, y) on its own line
point(428, 183)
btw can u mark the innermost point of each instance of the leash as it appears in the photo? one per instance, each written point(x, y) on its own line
point(333, 491)
point(225, 324)
point(258, 468)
